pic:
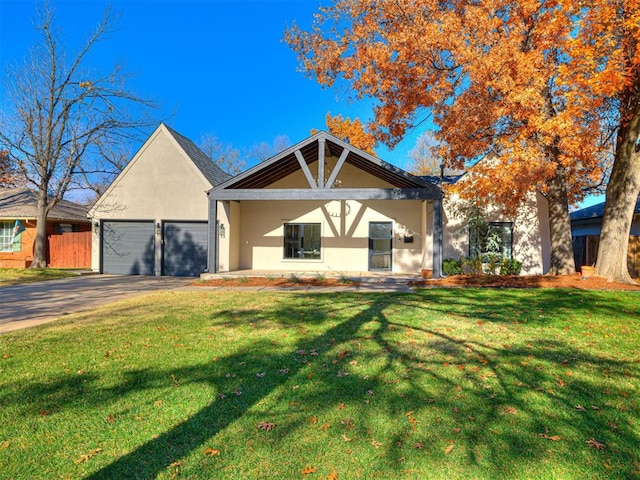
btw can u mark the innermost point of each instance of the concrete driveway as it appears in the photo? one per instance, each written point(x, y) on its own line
point(31, 304)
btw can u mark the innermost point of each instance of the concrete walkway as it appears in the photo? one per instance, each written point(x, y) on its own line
point(29, 304)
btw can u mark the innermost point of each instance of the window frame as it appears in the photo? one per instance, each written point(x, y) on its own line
point(287, 243)
point(6, 232)
point(477, 244)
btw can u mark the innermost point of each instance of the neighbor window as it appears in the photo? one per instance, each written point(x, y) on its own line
point(491, 238)
point(6, 237)
point(302, 240)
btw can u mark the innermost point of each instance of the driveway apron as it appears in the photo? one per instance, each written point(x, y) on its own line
point(35, 303)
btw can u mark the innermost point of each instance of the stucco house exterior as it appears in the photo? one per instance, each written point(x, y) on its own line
point(324, 205)
point(68, 231)
point(321, 205)
point(152, 219)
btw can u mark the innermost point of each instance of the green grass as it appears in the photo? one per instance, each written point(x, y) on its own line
point(16, 276)
point(436, 384)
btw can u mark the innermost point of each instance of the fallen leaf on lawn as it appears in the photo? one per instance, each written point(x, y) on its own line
point(340, 406)
point(283, 371)
point(158, 403)
point(553, 438)
point(261, 374)
point(44, 413)
point(211, 452)
point(87, 456)
point(177, 464)
point(267, 426)
point(313, 420)
point(6, 355)
point(221, 396)
point(595, 407)
point(308, 470)
point(447, 450)
point(418, 445)
point(110, 418)
point(325, 426)
point(593, 443)
point(333, 476)
point(511, 410)
point(4, 445)
point(580, 408)
point(376, 444)
point(345, 438)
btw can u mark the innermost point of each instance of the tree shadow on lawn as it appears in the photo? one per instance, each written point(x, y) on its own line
point(501, 405)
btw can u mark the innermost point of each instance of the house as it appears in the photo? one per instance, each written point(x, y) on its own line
point(68, 231)
point(319, 206)
point(152, 219)
point(585, 230)
point(324, 205)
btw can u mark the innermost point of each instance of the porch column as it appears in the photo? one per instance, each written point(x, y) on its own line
point(437, 238)
point(212, 257)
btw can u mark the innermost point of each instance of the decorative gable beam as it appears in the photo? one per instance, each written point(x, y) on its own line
point(337, 168)
point(305, 170)
point(321, 145)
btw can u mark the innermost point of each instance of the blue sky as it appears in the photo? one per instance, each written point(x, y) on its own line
point(216, 67)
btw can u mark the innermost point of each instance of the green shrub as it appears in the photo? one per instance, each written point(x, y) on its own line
point(492, 263)
point(510, 266)
point(451, 266)
point(471, 265)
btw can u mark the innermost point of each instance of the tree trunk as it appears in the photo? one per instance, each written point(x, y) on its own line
point(562, 262)
point(622, 192)
point(40, 245)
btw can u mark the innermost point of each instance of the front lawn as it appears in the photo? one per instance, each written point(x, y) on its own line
point(458, 383)
point(15, 276)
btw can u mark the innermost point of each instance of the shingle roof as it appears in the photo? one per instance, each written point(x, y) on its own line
point(22, 203)
point(597, 211)
point(212, 172)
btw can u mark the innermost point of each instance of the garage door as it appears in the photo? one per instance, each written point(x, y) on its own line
point(128, 248)
point(184, 251)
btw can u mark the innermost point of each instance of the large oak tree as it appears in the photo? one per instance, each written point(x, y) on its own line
point(62, 117)
point(493, 76)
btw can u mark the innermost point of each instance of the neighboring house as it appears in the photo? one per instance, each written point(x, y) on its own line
point(324, 205)
point(585, 229)
point(68, 231)
point(152, 219)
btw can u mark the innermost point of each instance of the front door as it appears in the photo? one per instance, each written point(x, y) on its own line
point(380, 245)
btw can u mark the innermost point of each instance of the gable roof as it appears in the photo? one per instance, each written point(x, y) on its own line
point(287, 162)
point(211, 171)
point(597, 211)
point(22, 203)
point(203, 165)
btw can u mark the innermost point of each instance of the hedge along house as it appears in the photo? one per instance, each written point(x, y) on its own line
point(152, 219)
point(324, 205)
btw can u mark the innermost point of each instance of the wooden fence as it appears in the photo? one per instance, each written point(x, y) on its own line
point(69, 249)
point(586, 252)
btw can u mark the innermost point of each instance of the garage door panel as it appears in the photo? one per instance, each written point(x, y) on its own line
point(128, 248)
point(185, 248)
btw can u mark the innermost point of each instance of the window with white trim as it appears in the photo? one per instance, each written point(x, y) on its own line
point(7, 243)
point(302, 241)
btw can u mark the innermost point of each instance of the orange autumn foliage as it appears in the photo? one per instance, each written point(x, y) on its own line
point(351, 131)
point(536, 82)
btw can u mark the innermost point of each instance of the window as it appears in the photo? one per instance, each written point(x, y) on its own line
point(7, 243)
point(491, 238)
point(302, 240)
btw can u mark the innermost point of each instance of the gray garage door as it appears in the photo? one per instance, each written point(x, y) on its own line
point(184, 251)
point(128, 248)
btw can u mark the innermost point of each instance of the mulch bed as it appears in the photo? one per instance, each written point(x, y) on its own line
point(474, 281)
